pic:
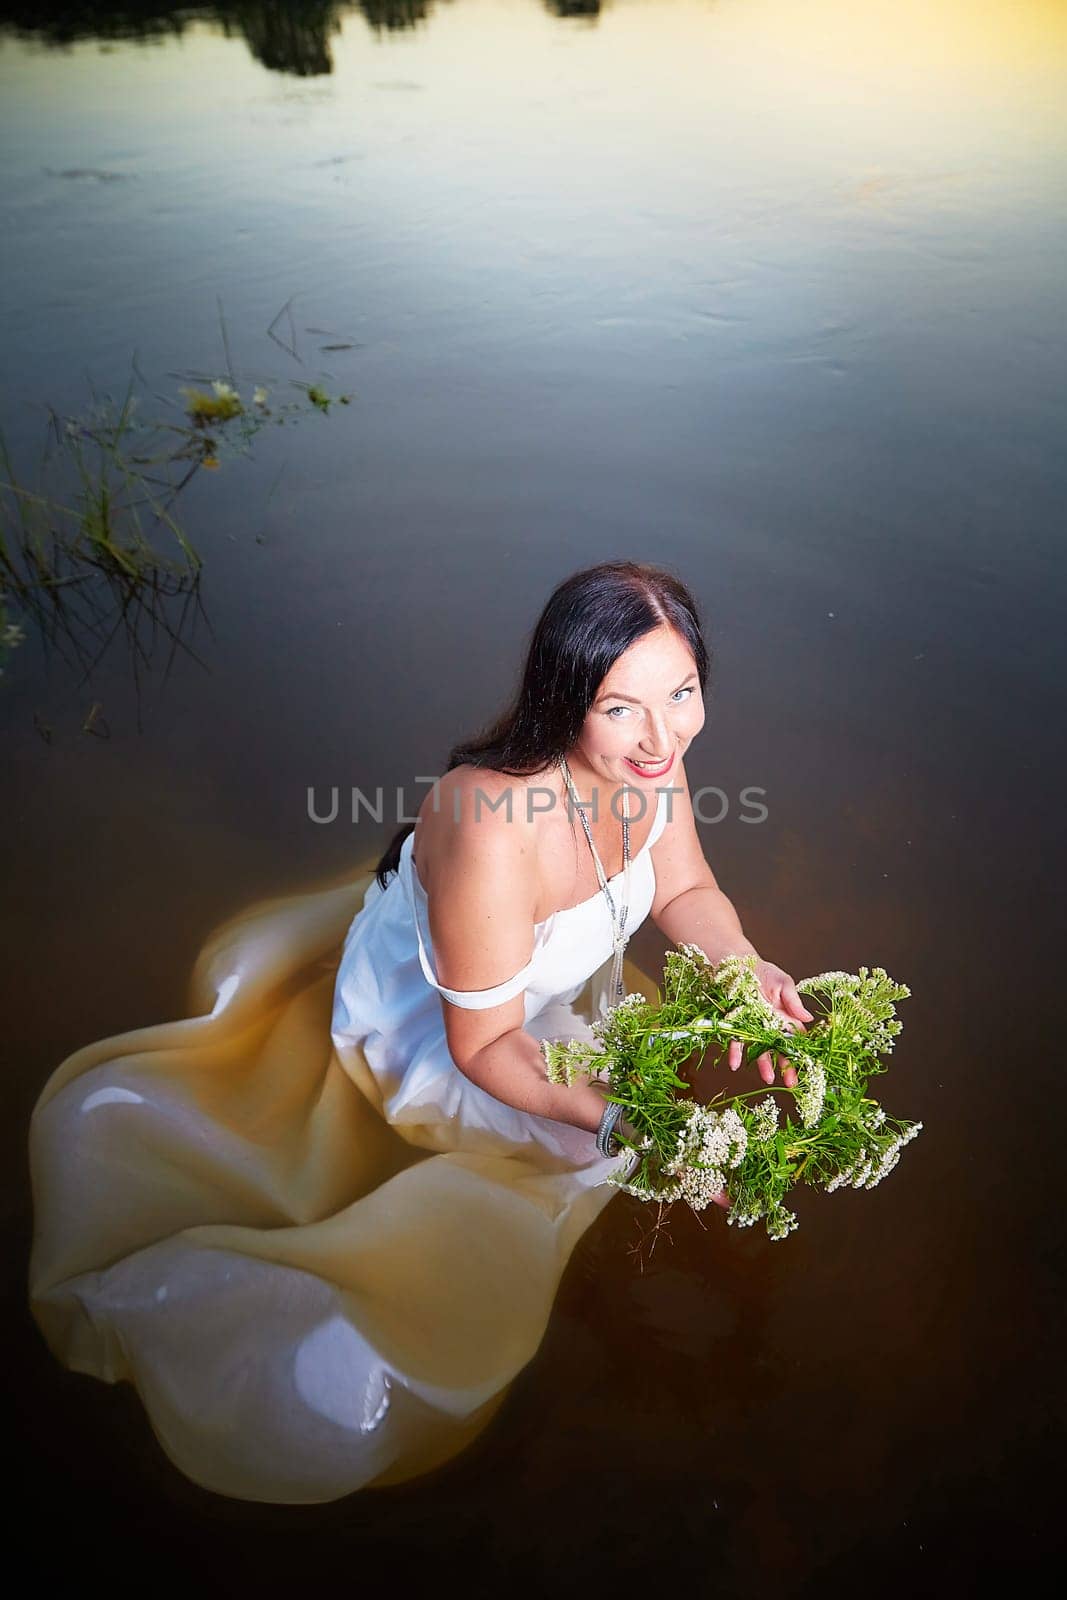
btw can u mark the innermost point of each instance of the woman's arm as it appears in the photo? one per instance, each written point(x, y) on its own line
point(482, 926)
point(690, 908)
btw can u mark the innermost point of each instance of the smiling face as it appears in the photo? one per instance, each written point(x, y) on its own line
point(648, 710)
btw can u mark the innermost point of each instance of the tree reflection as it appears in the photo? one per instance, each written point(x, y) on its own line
point(573, 8)
point(290, 36)
point(392, 15)
point(82, 19)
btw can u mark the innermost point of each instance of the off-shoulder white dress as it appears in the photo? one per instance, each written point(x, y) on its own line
point(318, 1250)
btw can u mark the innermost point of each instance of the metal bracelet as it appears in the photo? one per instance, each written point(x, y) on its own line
point(605, 1135)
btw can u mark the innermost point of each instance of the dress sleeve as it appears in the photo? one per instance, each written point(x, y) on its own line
point(470, 999)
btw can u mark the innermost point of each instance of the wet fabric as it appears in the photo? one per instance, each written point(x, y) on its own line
point(318, 1251)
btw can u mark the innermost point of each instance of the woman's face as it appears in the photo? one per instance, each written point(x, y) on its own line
point(648, 709)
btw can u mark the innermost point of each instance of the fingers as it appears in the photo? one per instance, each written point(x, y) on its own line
point(723, 1199)
point(782, 992)
point(765, 1064)
point(791, 1002)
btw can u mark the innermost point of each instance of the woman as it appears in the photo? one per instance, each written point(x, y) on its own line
point(322, 1264)
point(499, 904)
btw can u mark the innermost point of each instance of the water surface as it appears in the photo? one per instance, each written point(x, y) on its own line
point(772, 293)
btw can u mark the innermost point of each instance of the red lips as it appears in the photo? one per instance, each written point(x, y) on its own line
point(651, 772)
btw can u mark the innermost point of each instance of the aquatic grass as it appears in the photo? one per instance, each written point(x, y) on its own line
point(129, 469)
point(696, 1152)
point(80, 614)
point(105, 508)
point(86, 568)
point(113, 510)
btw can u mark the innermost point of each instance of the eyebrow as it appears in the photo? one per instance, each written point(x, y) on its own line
point(611, 694)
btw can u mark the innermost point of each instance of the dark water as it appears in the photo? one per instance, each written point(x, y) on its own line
point(772, 293)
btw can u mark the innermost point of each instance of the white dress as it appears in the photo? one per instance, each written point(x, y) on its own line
point(318, 1250)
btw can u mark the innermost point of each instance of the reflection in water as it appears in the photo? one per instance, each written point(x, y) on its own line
point(86, 617)
point(392, 15)
point(290, 36)
point(573, 8)
point(83, 20)
point(287, 38)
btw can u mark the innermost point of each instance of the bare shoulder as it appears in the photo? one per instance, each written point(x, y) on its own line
point(475, 823)
point(481, 881)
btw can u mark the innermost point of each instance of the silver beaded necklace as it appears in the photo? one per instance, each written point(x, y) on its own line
point(618, 922)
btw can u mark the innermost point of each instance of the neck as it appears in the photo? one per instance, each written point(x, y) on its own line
point(598, 794)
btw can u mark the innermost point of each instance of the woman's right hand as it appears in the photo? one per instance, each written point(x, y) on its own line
point(781, 992)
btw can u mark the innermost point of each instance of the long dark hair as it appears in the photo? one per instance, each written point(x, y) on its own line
point(590, 619)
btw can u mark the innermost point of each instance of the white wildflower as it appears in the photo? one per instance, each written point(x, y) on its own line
point(224, 391)
point(735, 1134)
point(642, 1190)
point(844, 980)
point(706, 1145)
point(568, 1060)
point(708, 1141)
point(889, 1160)
point(811, 1094)
point(780, 1223)
point(700, 1186)
point(259, 395)
point(765, 1120)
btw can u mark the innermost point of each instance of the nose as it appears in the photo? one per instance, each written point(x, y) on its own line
point(658, 736)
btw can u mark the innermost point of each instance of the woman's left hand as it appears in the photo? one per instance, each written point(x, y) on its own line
point(780, 990)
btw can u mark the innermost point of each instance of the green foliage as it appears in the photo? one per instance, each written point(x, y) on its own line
point(695, 1152)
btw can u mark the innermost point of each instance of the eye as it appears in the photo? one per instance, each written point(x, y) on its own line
point(688, 690)
point(612, 710)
